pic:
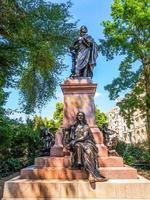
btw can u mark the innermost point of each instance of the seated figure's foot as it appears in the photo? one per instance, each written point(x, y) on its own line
point(97, 179)
point(101, 179)
point(91, 179)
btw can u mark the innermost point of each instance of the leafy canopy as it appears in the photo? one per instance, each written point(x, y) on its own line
point(101, 118)
point(128, 35)
point(34, 37)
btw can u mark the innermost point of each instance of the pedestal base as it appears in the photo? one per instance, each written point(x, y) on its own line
point(24, 189)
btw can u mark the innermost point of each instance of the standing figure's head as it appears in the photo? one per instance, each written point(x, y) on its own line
point(80, 117)
point(83, 30)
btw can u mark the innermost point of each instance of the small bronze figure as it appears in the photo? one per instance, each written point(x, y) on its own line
point(49, 140)
point(80, 141)
point(110, 139)
point(84, 54)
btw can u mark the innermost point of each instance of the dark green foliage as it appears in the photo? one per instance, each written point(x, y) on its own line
point(19, 145)
point(34, 37)
point(132, 153)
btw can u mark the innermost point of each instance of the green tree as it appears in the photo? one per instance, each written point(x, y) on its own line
point(100, 118)
point(34, 37)
point(58, 114)
point(54, 123)
point(128, 34)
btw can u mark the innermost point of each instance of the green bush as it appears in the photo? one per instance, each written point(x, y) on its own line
point(132, 153)
point(21, 144)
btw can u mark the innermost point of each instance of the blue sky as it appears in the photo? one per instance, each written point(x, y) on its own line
point(90, 13)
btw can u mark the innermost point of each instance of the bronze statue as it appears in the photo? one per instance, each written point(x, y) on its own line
point(110, 139)
point(84, 53)
point(80, 141)
point(49, 140)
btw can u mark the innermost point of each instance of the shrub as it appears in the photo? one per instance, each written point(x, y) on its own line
point(132, 153)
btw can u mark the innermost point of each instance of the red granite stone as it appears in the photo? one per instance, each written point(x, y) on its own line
point(52, 173)
point(112, 161)
point(57, 150)
point(78, 96)
point(102, 150)
point(70, 174)
point(119, 172)
point(53, 161)
point(98, 136)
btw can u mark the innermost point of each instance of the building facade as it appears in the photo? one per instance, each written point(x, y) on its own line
point(135, 134)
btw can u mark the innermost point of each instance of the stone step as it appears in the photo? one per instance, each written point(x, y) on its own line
point(24, 189)
point(65, 161)
point(69, 174)
point(111, 161)
point(102, 150)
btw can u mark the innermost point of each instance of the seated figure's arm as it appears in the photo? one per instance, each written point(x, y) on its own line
point(83, 137)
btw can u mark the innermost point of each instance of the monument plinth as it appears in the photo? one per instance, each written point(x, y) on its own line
point(78, 96)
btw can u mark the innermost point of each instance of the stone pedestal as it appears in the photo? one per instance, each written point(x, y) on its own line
point(52, 178)
point(78, 96)
point(113, 189)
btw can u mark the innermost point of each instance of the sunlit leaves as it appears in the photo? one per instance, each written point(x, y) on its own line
point(35, 37)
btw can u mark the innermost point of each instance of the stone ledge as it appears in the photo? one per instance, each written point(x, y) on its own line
point(69, 174)
point(18, 189)
point(111, 161)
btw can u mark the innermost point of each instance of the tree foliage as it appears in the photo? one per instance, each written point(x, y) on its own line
point(128, 34)
point(34, 37)
point(58, 114)
point(21, 142)
point(101, 118)
point(54, 123)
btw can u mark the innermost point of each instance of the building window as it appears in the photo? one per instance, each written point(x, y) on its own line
point(124, 128)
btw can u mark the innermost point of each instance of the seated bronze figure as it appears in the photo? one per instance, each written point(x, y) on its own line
point(80, 141)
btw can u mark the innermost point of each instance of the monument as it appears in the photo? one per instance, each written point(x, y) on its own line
point(79, 156)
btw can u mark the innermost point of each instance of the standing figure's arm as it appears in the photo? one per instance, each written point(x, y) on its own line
point(87, 41)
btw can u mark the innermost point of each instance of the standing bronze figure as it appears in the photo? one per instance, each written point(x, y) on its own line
point(84, 53)
point(48, 139)
point(110, 139)
point(80, 141)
